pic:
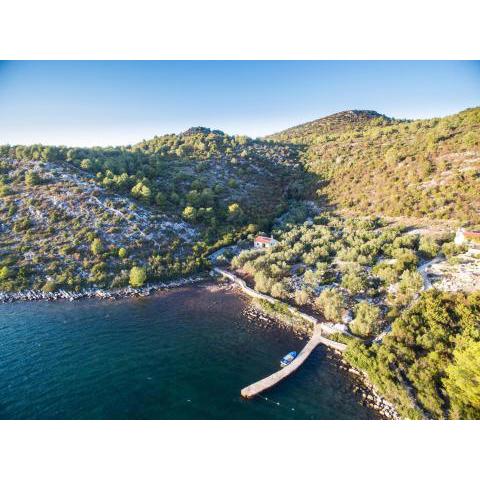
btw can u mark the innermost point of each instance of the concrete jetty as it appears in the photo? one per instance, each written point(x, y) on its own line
point(318, 330)
point(272, 380)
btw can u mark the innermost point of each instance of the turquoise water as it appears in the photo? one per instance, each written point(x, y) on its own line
point(183, 354)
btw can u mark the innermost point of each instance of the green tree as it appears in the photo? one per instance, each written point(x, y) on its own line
point(428, 247)
point(86, 164)
point(31, 179)
point(450, 249)
point(5, 190)
point(138, 275)
point(263, 283)
point(122, 252)
point(50, 286)
point(189, 213)
point(4, 273)
point(141, 191)
point(235, 213)
point(97, 247)
point(354, 282)
point(411, 282)
point(332, 303)
point(366, 322)
point(463, 382)
point(160, 199)
point(279, 290)
point(301, 297)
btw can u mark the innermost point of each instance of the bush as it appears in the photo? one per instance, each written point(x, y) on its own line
point(428, 247)
point(366, 322)
point(410, 281)
point(331, 303)
point(386, 272)
point(97, 247)
point(463, 382)
point(354, 282)
point(406, 259)
point(278, 290)
point(263, 283)
point(301, 297)
point(450, 249)
point(50, 286)
point(31, 179)
point(138, 275)
point(4, 273)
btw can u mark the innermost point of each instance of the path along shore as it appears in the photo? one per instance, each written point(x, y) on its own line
point(384, 407)
point(378, 402)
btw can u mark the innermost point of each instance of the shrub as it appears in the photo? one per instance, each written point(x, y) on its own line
point(411, 282)
point(50, 286)
point(386, 272)
point(406, 259)
point(31, 179)
point(4, 273)
point(366, 322)
point(278, 290)
point(97, 247)
point(450, 249)
point(263, 283)
point(354, 282)
point(332, 303)
point(463, 381)
point(301, 297)
point(428, 247)
point(138, 275)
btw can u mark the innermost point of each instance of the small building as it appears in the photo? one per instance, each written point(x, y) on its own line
point(470, 238)
point(264, 242)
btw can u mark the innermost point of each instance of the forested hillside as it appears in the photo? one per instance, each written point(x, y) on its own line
point(77, 217)
point(371, 164)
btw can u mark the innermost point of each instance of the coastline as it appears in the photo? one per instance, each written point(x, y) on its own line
point(369, 396)
point(263, 305)
point(106, 294)
point(260, 309)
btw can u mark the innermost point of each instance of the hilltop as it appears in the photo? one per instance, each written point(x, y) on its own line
point(371, 164)
point(165, 203)
point(307, 132)
point(331, 191)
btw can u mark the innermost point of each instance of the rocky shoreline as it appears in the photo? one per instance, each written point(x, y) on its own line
point(366, 392)
point(362, 387)
point(256, 314)
point(112, 294)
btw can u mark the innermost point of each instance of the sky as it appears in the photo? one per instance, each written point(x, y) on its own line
point(86, 103)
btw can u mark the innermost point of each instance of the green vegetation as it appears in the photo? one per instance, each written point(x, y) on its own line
point(138, 275)
point(366, 320)
point(332, 263)
point(72, 214)
point(375, 165)
point(73, 218)
point(429, 363)
point(364, 273)
point(331, 302)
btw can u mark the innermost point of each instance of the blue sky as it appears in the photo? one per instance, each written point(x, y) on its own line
point(118, 103)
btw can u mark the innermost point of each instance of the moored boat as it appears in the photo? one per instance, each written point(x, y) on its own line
point(287, 359)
